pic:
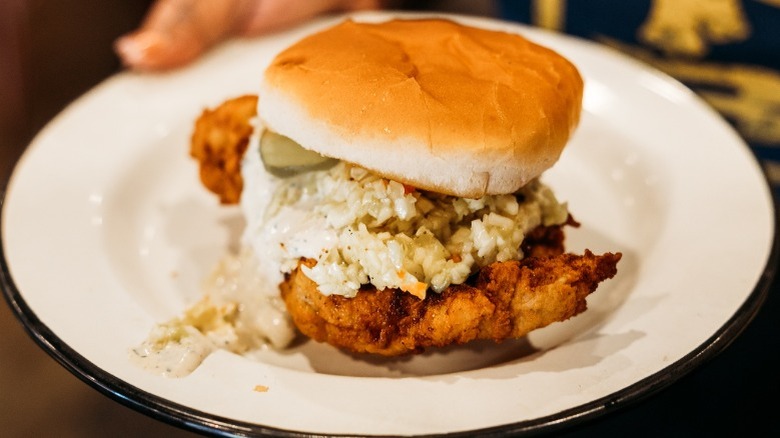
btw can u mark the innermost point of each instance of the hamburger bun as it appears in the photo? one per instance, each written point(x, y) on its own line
point(430, 103)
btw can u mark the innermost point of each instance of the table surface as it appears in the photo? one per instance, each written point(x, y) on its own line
point(732, 393)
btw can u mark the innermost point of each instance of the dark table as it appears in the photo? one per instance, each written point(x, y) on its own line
point(733, 393)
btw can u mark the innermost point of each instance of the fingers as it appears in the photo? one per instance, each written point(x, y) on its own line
point(176, 32)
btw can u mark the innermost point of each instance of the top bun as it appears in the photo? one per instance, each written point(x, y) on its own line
point(430, 103)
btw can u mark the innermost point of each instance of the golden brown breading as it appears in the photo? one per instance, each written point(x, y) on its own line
point(219, 141)
point(505, 300)
point(546, 241)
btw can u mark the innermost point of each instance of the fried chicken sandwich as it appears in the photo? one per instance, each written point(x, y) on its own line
point(390, 184)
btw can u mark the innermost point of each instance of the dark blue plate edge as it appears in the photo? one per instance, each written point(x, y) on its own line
point(194, 420)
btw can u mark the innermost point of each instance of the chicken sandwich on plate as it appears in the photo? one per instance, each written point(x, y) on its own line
point(389, 177)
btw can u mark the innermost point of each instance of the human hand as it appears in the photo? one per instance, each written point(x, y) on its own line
point(175, 32)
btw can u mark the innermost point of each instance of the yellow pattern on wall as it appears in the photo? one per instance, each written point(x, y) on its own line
point(689, 27)
point(549, 14)
point(684, 31)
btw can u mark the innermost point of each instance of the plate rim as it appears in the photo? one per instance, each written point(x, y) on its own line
point(188, 418)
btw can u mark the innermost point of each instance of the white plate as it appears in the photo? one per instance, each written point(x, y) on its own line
point(107, 231)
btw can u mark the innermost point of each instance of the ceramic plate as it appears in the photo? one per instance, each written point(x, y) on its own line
point(106, 231)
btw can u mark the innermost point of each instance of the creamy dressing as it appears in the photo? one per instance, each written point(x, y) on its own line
point(280, 233)
point(172, 350)
point(241, 312)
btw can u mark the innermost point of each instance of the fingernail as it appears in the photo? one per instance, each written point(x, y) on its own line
point(136, 48)
point(129, 50)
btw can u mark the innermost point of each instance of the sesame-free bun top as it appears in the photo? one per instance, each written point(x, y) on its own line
point(430, 103)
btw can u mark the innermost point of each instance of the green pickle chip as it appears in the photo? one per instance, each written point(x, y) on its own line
point(284, 157)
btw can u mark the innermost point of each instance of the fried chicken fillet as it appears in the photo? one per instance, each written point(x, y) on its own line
point(218, 143)
point(502, 301)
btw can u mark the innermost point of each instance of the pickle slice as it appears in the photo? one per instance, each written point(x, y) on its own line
point(284, 157)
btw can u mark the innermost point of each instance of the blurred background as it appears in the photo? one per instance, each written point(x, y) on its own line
point(51, 52)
